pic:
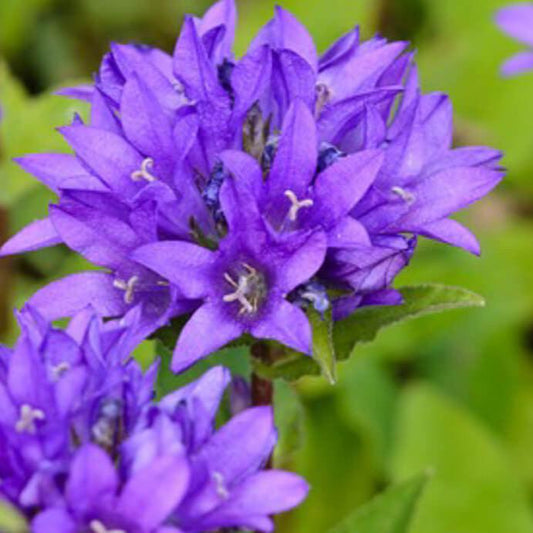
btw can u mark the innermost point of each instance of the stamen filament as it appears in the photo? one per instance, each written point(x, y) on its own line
point(296, 204)
point(144, 172)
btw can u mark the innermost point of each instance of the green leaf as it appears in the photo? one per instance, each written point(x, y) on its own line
point(390, 512)
point(419, 300)
point(475, 487)
point(363, 326)
point(10, 520)
point(323, 350)
point(28, 125)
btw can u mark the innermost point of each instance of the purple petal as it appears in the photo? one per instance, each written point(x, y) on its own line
point(517, 21)
point(107, 154)
point(182, 263)
point(155, 491)
point(446, 192)
point(102, 116)
point(99, 237)
point(145, 124)
point(451, 232)
point(51, 169)
point(205, 392)
point(286, 32)
point(245, 169)
point(348, 232)
point(340, 49)
point(296, 159)
point(37, 235)
point(153, 67)
point(292, 79)
point(92, 480)
point(223, 13)
point(192, 66)
point(287, 324)
point(56, 520)
point(80, 92)
point(261, 495)
point(194, 343)
point(360, 71)
point(518, 64)
point(343, 184)
point(254, 430)
point(250, 79)
point(73, 293)
point(299, 261)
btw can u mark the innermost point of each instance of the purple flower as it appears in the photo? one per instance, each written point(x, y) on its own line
point(86, 448)
point(83, 389)
point(243, 285)
point(517, 21)
point(202, 176)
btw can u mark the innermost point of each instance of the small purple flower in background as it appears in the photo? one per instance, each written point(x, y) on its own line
point(84, 447)
point(242, 190)
point(517, 21)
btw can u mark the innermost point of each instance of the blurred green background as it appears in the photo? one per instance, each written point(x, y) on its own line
point(452, 393)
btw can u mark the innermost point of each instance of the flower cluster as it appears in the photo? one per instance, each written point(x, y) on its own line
point(517, 21)
point(245, 191)
point(83, 446)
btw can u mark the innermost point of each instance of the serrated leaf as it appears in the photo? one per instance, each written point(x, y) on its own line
point(390, 512)
point(364, 325)
point(419, 300)
point(323, 349)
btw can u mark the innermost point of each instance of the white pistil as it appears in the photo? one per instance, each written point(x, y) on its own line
point(28, 417)
point(128, 287)
point(221, 488)
point(406, 196)
point(97, 527)
point(241, 289)
point(144, 172)
point(296, 204)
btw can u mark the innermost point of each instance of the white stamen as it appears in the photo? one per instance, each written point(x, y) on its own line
point(97, 527)
point(28, 417)
point(323, 96)
point(221, 488)
point(60, 369)
point(144, 173)
point(241, 288)
point(406, 196)
point(128, 287)
point(296, 204)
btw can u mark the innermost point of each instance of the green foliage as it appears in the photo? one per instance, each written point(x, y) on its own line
point(474, 488)
point(10, 520)
point(362, 327)
point(323, 349)
point(390, 512)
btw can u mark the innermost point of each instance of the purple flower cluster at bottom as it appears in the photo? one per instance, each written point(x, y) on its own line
point(85, 448)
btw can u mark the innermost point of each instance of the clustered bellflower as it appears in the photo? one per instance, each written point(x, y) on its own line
point(85, 448)
point(246, 190)
point(517, 21)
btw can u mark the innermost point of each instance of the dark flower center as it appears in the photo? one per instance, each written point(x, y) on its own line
point(328, 154)
point(250, 289)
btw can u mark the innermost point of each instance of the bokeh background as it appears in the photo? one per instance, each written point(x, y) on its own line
point(452, 393)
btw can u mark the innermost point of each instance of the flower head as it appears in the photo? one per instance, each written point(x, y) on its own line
point(86, 448)
point(202, 175)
